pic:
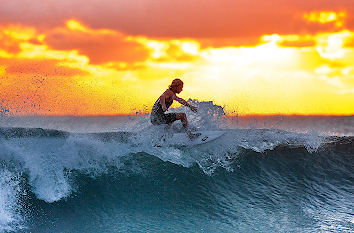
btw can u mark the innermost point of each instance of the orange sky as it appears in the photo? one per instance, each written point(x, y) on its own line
point(103, 57)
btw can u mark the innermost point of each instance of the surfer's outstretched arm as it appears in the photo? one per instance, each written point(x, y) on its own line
point(185, 103)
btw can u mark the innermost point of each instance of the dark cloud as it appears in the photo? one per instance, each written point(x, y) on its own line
point(8, 44)
point(98, 47)
point(179, 18)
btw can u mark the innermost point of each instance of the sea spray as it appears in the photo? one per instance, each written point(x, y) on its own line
point(10, 204)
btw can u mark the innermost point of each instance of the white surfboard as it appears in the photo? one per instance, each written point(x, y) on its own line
point(182, 139)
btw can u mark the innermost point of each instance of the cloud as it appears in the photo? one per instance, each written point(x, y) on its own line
point(72, 43)
point(298, 43)
point(349, 42)
point(12, 35)
point(20, 54)
point(100, 46)
point(324, 17)
point(247, 41)
point(8, 45)
point(214, 19)
point(172, 50)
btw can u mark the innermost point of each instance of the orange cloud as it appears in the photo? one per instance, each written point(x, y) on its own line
point(213, 19)
point(100, 46)
point(299, 41)
point(7, 45)
point(349, 42)
point(250, 41)
point(171, 50)
point(10, 38)
point(324, 17)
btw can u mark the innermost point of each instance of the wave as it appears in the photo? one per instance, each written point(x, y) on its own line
point(52, 165)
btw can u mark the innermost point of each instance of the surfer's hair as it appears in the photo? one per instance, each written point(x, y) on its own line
point(175, 83)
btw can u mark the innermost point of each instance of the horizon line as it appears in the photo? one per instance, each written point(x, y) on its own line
point(145, 114)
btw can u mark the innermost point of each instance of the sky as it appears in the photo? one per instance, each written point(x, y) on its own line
point(111, 57)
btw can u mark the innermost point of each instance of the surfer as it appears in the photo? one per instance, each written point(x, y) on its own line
point(158, 115)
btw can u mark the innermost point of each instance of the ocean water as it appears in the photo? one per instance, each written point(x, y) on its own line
point(104, 174)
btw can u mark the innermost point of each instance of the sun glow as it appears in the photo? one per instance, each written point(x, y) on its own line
point(158, 48)
point(331, 45)
point(76, 26)
point(19, 33)
point(281, 74)
point(191, 47)
point(327, 17)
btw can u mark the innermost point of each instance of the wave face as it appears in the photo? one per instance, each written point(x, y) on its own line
point(106, 174)
point(248, 180)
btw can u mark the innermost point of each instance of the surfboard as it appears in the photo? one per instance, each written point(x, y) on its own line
point(181, 139)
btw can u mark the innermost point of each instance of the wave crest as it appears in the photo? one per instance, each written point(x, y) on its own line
point(50, 159)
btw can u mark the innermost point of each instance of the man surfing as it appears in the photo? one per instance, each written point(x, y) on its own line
point(158, 115)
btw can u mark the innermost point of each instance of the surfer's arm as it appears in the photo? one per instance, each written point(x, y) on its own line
point(185, 103)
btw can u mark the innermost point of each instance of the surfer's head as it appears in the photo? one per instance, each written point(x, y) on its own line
point(176, 86)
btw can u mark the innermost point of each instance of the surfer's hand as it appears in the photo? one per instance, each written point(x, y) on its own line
point(193, 108)
point(164, 108)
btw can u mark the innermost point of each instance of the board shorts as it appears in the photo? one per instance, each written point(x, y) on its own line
point(160, 119)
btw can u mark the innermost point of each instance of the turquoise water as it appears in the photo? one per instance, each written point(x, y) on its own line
point(249, 180)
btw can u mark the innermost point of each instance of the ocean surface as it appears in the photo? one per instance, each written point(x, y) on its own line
point(105, 174)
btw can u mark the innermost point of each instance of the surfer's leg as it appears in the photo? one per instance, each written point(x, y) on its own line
point(169, 118)
point(183, 118)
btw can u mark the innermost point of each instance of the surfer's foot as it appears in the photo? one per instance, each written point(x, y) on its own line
point(193, 136)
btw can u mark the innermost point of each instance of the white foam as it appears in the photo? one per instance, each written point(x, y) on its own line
point(49, 161)
point(10, 218)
